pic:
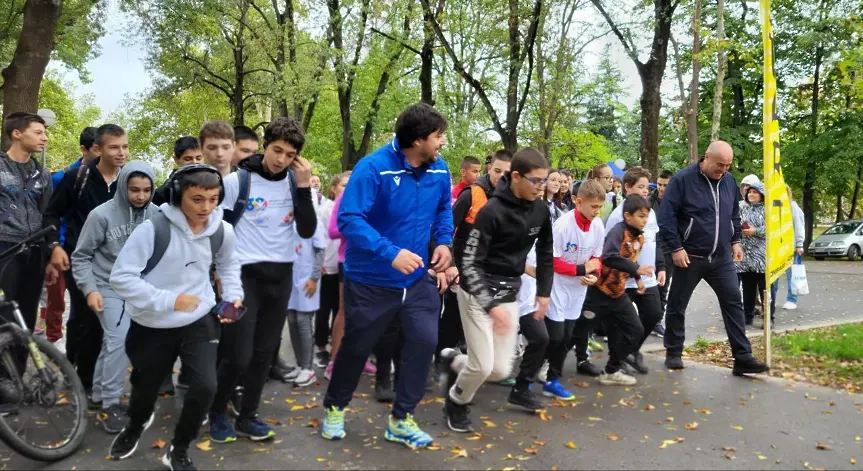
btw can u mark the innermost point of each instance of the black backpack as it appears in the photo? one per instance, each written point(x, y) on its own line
point(162, 229)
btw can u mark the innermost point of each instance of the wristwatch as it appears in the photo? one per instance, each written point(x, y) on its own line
point(52, 245)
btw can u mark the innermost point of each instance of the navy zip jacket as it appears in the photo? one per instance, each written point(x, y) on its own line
point(700, 215)
point(388, 206)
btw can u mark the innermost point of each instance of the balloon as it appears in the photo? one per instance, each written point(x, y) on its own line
point(620, 163)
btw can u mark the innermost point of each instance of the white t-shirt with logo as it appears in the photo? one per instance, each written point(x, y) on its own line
point(574, 246)
point(647, 256)
point(265, 232)
point(305, 262)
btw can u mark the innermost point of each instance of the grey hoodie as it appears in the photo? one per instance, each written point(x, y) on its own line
point(105, 232)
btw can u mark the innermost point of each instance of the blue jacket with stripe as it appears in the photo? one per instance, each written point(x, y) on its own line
point(55, 180)
point(388, 206)
point(700, 215)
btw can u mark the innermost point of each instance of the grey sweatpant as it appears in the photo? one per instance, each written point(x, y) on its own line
point(301, 325)
point(112, 363)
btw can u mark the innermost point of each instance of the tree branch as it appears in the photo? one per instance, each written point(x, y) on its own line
point(206, 69)
point(403, 44)
point(263, 16)
point(226, 91)
point(531, 40)
point(627, 44)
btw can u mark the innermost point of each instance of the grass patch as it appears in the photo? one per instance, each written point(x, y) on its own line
point(831, 356)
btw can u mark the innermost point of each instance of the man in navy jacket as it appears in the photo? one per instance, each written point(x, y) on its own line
point(398, 197)
point(699, 222)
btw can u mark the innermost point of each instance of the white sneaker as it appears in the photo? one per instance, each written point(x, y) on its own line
point(789, 306)
point(292, 376)
point(542, 376)
point(618, 378)
point(305, 378)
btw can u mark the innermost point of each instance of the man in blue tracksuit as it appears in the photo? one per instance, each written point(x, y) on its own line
point(397, 199)
point(699, 221)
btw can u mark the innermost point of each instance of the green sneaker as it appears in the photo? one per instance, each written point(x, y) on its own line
point(507, 382)
point(334, 424)
point(593, 345)
point(408, 432)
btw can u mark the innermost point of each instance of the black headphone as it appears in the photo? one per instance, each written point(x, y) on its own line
point(175, 183)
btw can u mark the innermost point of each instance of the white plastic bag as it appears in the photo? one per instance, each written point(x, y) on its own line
point(799, 284)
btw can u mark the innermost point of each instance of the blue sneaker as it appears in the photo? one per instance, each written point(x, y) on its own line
point(254, 429)
point(221, 430)
point(408, 432)
point(555, 389)
point(334, 424)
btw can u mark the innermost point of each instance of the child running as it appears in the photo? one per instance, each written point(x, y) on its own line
point(607, 299)
point(578, 240)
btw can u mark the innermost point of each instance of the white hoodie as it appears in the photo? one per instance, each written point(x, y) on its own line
point(184, 268)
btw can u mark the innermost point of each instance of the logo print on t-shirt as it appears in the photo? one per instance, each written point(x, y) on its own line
point(397, 179)
point(288, 219)
point(257, 206)
point(571, 247)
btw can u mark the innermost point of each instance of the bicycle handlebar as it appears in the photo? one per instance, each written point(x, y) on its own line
point(28, 241)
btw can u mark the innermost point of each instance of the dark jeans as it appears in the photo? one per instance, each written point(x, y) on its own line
point(536, 334)
point(388, 351)
point(621, 323)
point(329, 308)
point(22, 282)
point(248, 346)
point(753, 284)
point(559, 335)
point(83, 334)
point(369, 311)
point(721, 276)
point(153, 352)
point(649, 310)
point(669, 274)
point(450, 331)
point(584, 327)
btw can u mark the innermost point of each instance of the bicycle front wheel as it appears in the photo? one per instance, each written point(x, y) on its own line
point(43, 414)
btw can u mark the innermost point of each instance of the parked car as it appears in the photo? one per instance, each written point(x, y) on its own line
point(840, 240)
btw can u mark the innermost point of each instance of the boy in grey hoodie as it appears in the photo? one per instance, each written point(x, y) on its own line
point(103, 235)
point(170, 305)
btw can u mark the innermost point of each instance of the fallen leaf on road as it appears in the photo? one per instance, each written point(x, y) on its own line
point(159, 444)
point(613, 436)
point(737, 427)
point(289, 401)
point(599, 395)
point(538, 443)
point(729, 448)
point(531, 451)
point(543, 415)
point(582, 384)
point(474, 436)
point(594, 419)
point(692, 426)
point(260, 450)
point(762, 457)
point(321, 460)
point(852, 461)
point(489, 424)
point(831, 404)
point(857, 439)
point(204, 445)
point(665, 443)
point(522, 458)
point(649, 407)
point(272, 421)
point(729, 456)
point(314, 423)
point(703, 411)
point(461, 452)
point(822, 446)
point(669, 419)
point(433, 447)
point(570, 445)
point(687, 403)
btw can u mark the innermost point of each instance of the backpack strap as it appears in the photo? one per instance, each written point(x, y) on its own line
point(244, 177)
point(81, 180)
point(216, 240)
point(292, 179)
point(161, 239)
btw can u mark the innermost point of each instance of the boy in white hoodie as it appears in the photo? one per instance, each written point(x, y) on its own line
point(104, 233)
point(170, 303)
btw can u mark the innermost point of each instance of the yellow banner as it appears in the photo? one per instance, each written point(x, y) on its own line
point(777, 207)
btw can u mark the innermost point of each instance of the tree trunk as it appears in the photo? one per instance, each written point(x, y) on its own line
point(427, 60)
point(651, 104)
point(720, 71)
point(839, 214)
point(22, 78)
point(809, 179)
point(692, 112)
point(853, 213)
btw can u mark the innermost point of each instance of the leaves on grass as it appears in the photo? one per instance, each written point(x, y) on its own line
point(822, 446)
point(204, 445)
point(570, 445)
point(159, 443)
point(692, 426)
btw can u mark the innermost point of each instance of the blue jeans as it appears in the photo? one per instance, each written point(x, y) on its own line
point(790, 297)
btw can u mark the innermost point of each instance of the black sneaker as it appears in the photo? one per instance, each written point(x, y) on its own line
point(524, 397)
point(322, 358)
point(384, 389)
point(588, 369)
point(176, 460)
point(167, 387)
point(126, 442)
point(749, 366)
point(113, 419)
point(636, 361)
point(93, 405)
point(457, 417)
point(280, 371)
point(673, 362)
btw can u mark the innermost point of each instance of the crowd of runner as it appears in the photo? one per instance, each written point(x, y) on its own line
point(393, 270)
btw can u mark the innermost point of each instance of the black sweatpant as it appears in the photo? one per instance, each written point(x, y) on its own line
point(559, 335)
point(22, 279)
point(649, 310)
point(621, 324)
point(581, 332)
point(153, 352)
point(247, 346)
point(83, 334)
point(327, 312)
point(388, 351)
point(450, 331)
point(669, 274)
point(753, 285)
point(536, 334)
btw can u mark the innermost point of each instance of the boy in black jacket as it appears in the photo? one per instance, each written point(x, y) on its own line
point(490, 267)
point(607, 299)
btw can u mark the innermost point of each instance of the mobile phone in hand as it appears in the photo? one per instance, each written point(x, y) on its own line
point(227, 310)
point(745, 225)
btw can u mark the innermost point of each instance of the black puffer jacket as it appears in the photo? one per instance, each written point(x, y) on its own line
point(460, 209)
point(497, 246)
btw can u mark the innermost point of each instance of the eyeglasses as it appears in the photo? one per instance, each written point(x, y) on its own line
point(537, 182)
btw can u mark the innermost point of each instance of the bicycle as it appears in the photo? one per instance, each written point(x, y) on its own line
point(34, 373)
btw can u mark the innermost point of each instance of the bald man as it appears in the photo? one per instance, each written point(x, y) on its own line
point(699, 221)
